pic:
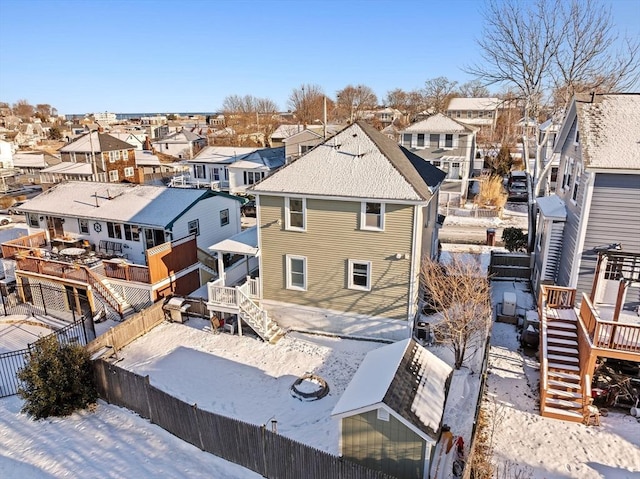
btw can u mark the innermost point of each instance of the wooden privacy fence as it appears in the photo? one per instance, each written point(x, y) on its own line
point(248, 445)
point(509, 265)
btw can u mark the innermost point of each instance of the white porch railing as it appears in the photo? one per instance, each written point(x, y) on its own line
point(222, 295)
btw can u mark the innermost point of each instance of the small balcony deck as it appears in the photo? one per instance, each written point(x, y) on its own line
point(617, 339)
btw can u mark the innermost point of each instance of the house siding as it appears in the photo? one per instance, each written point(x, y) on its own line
point(570, 151)
point(207, 211)
point(331, 239)
point(387, 446)
point(612, 193)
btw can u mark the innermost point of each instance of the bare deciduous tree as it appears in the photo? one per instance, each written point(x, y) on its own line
point(474, 89)
point(459, 292)
point(437, 93)
point(23, 109)
point(308, 103)
point(249, 117)
point(354, 100)
point(409, 103)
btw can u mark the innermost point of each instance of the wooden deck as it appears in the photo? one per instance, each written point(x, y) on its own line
point(570, 342)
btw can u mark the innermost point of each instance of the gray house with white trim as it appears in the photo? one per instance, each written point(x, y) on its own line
point(597, 198)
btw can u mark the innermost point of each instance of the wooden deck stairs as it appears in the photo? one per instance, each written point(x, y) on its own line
point(564, 389)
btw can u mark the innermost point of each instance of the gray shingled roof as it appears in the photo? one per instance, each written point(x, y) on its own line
point(358, 162)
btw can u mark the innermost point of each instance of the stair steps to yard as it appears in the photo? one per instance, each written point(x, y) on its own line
point(563, 396)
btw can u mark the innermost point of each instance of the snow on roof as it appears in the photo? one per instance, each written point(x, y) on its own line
point(248, 165)
point(609, 131)
point(285, 131)
point(407, 378)
point(372, 379)
point(70, 168)
point(245, 242)
point(473, 103)
point(96, 142)
point(552, 207)
point(123, 202)
point(221, 154)
point(146, 158)
point(29, 160)
point(358, 162)
point(438, 123)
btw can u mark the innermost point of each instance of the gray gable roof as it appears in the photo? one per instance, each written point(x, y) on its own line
point(358, 162)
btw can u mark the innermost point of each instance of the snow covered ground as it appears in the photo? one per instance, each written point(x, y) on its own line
point(247, 379)
point(108, 443)
point(541, 447)
point(550, 448)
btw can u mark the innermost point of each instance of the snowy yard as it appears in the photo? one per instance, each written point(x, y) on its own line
point(108, 443)
point(542, 447)
point(247, 379)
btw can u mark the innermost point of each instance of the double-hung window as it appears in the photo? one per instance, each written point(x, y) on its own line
point(113, 175)
point(434, 140)
point(128, 172)
point(448, 140)
point(576, 183)
point(372, 216)
point(83, 226)
point(295, 214)
point(359, 275)
point(193, 227)
point(406, 140)
point(224, 217)
point(420, 140)
point(296, 272)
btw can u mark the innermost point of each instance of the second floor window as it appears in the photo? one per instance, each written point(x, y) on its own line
point(372, 216)
point(448, 140)
point(295, 218)
point(113, 156)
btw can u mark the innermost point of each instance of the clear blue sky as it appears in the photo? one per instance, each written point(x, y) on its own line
point(87, 56)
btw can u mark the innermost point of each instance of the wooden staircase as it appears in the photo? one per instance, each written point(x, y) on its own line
point(562, 398)
point(257, 318)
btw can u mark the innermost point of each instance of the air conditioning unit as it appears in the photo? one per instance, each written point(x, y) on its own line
point(509, 303)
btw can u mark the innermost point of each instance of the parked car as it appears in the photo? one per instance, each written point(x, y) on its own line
point(517, 176)
point(5, 220)
point(517, 191)
point(13, 209)
point(249, 209)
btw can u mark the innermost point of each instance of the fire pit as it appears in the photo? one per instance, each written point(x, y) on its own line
point(309, 388)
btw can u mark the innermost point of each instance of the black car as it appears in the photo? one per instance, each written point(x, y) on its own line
point(517, 191)
point(249, 209)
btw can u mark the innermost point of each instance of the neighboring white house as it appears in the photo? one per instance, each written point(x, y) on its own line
point(132, 218)
point(230, 168)
point(182, 144)
point(474, 111)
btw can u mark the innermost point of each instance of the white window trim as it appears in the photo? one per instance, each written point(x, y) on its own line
point(363, 216)
point(113, 176)
point(575, 184)
point(287, 216)
point(382, 414)
point(350, 282)
point(129, 172)
point(304, 272)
